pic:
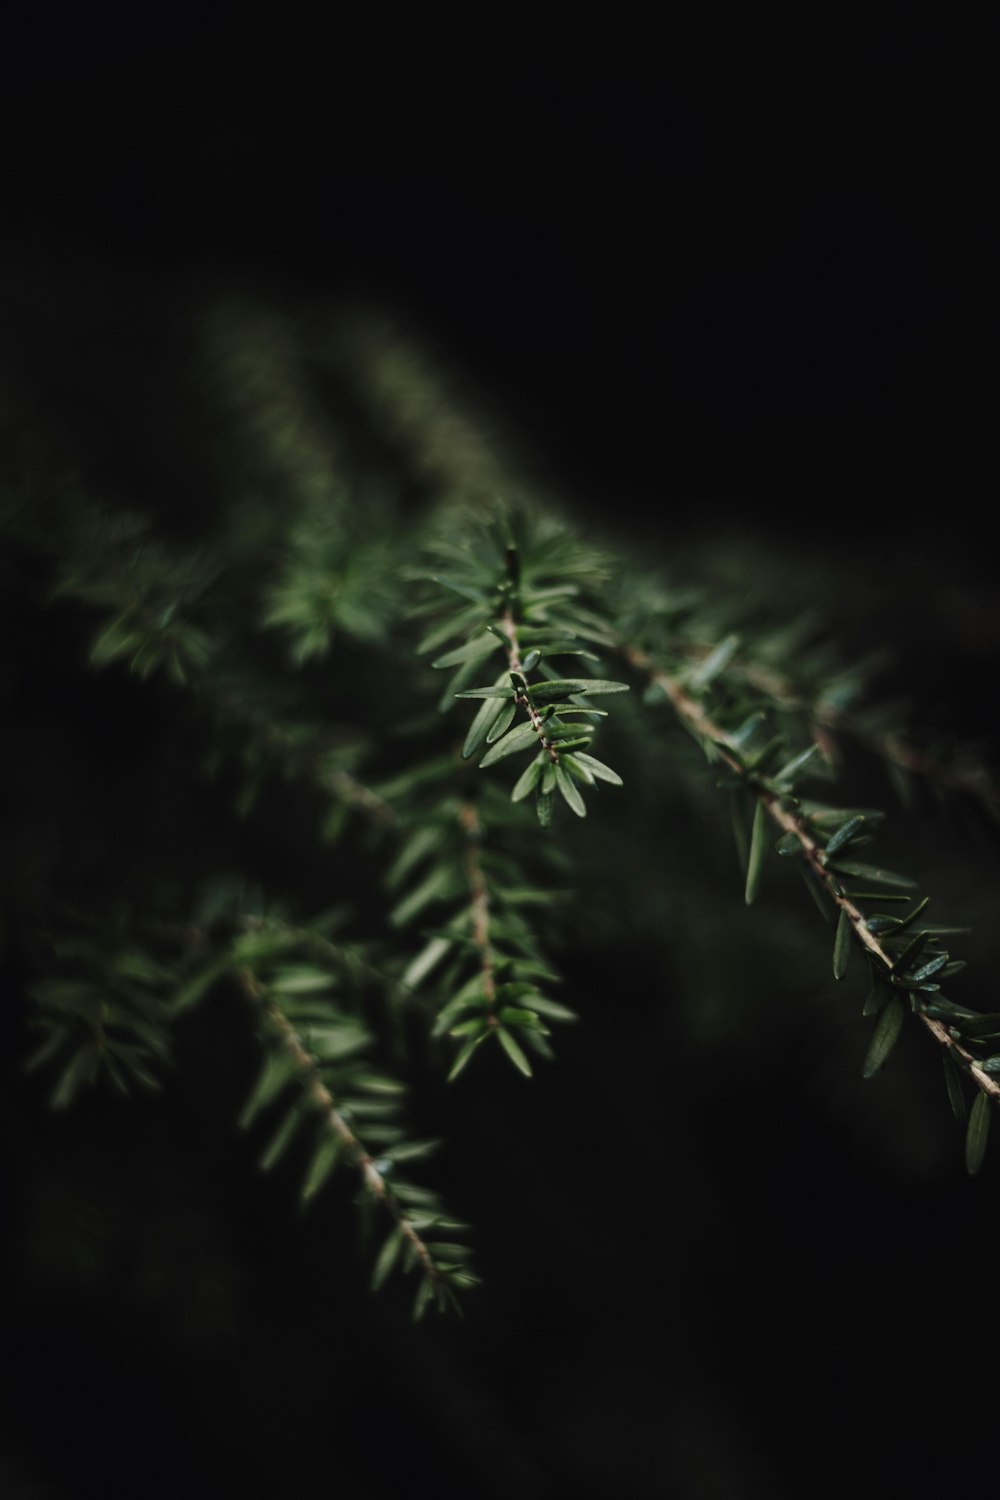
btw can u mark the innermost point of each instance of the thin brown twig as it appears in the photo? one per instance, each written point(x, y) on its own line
point(789, 822)
point(320, 1094)
point(509, 627)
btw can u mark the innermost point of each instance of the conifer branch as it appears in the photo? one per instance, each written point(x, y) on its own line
point(791, 823)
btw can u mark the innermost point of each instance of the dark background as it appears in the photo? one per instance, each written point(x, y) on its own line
point(708, 254)
point(729, 269)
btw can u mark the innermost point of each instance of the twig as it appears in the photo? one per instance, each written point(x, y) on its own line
point(509, 627)
point(318, 1091)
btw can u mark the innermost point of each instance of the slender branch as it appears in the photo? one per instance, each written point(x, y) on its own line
point(789, 822)
point(338, 1126)
point(509, 626)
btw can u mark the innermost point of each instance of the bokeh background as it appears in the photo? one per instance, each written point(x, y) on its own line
point(724, 278)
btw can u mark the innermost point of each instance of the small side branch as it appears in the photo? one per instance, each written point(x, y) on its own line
point(317, 1090)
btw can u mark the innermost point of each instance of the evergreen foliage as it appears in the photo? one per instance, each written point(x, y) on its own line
point(434, 669)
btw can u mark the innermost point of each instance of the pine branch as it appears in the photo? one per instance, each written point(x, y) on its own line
point(317, 1091)
point(783, 811)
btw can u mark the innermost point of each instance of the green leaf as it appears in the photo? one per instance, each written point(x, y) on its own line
point(797, 765)
point(412, 1150)
point(926, 971)
point(977, 1027)
point(481, 726)
point(387, 1258)
point(80, 1070)
point(324, 1160)
point(977, 1133)
point(513, 1051)
point(844, 834)
point(563, 687)
point(513, 1015)
point(454, 625)
point(921, 906)
point(498, 690)
point(474, 1026)
point(282, 1137)
point(817, 892)
point(598, 769)
point(425, 961)
point(953, 1083)
point(544, 808)
point(887, 1030)
point(748, 729)
point(279, 1069)
point(873, 875)
point(910, 953)
point(301, 981)
point(437, 885)
point(531, 660)
point(521, 738)
point(758, 848)
point(842, 945)
point(198, 986)
point(579, 772)
point(421, 843)
point(475, 650)
point(465, 1052)
point(552, 1009)
point(878, 997)
point(715, 663)
point(425, 1294)
point(502, 722)
point(115, 640)
point(527, 780)
point(465, 674)
point(570, 792)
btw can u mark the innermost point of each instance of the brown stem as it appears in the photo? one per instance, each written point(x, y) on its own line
point(335, 1122)
point(509, 627)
